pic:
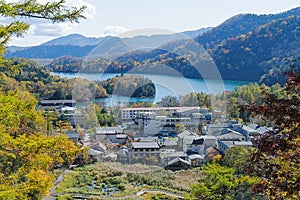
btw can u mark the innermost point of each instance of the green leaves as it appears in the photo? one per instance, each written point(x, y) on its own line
point(55, 11)
point(220, 182)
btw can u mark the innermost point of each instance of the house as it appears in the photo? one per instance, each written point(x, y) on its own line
point(168, 143)
point(209, 141)
point(95, 155)
point(73, 135)
point(123, 154)
point(211, 153)
point(141, 150)
point(185, 139)
point(224, 145)
point(178, 164)
point(121, 139)
point(211, 129)
point(231, 135)
point(99, 147)
point(196, 147)
point(245, 130)
point(196, 160)
point(108, 134)
point(97, 151)
point(169, 155)
point(200, 144)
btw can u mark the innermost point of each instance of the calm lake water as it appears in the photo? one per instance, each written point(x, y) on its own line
point(165, 85)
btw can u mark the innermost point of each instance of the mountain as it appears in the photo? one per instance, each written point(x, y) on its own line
point(77, 45)
point(240, 24)
point(259, 53)
point(245, 47)
point(73, 39)
point(54, 51)
point(196, 33)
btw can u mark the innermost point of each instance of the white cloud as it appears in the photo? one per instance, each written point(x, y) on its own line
point(49, 29)
point(42, 27)
point(115, 30)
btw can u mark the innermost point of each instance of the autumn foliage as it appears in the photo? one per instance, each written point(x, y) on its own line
point(277, 158)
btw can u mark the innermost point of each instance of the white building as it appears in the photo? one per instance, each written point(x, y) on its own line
point(150, 124)
point(130, 113)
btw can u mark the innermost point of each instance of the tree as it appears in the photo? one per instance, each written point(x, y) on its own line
point(238, 158)
point(220, 182)
point(27, 154)
point(169, 101)
point(17, 12)
point(277, 158)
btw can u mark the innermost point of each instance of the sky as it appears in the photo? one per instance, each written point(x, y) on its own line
point(115, 17)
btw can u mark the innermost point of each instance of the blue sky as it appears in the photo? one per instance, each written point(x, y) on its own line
point(112, 17)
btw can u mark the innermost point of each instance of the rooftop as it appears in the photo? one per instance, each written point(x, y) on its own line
point(175, 160)
point(58, 101)
point(186, 133)
point(248, 129)
point(196, 156)
point(108, 130)
point(145, 145)
point(179, 109)
point(230, 144)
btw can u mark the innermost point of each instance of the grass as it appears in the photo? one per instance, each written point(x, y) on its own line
point(126, 180)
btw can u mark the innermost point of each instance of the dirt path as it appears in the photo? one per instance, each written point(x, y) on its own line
point(133, 196)
point(52, 195)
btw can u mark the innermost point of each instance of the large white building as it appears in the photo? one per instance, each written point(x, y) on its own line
point(130, 113)
point(150, 124)
point(163, 120)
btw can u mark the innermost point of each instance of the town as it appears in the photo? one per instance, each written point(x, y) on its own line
point(174, 138)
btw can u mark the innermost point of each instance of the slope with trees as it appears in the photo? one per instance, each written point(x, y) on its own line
point(28, 155)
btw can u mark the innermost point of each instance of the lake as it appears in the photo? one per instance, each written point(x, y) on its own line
point(165, 85)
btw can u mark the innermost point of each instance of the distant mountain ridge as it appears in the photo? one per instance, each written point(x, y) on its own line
point(82, 45)
point(74, 39)
point(245, 47)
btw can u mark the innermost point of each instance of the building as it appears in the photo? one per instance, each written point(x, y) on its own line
point(231, 135)
point(73, 135)
point(224, 145)
point(196, 160)
point(195, 147)
point(109, 134)
point(245, 130)
point(58, 103)
point(142, 150)
point(185, 139)
point(97, 151)
point(150, 124)
point(130, 113)
point(123, 154)
point(212, 129)
point(169, 155)
point(178, 164)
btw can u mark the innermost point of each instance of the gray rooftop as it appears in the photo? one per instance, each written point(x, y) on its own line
point(186, 133)
point(108, 130)
point(230, 144)
point(178, 160)
point(196, 156)
point(58, 101)
point(145, 145)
